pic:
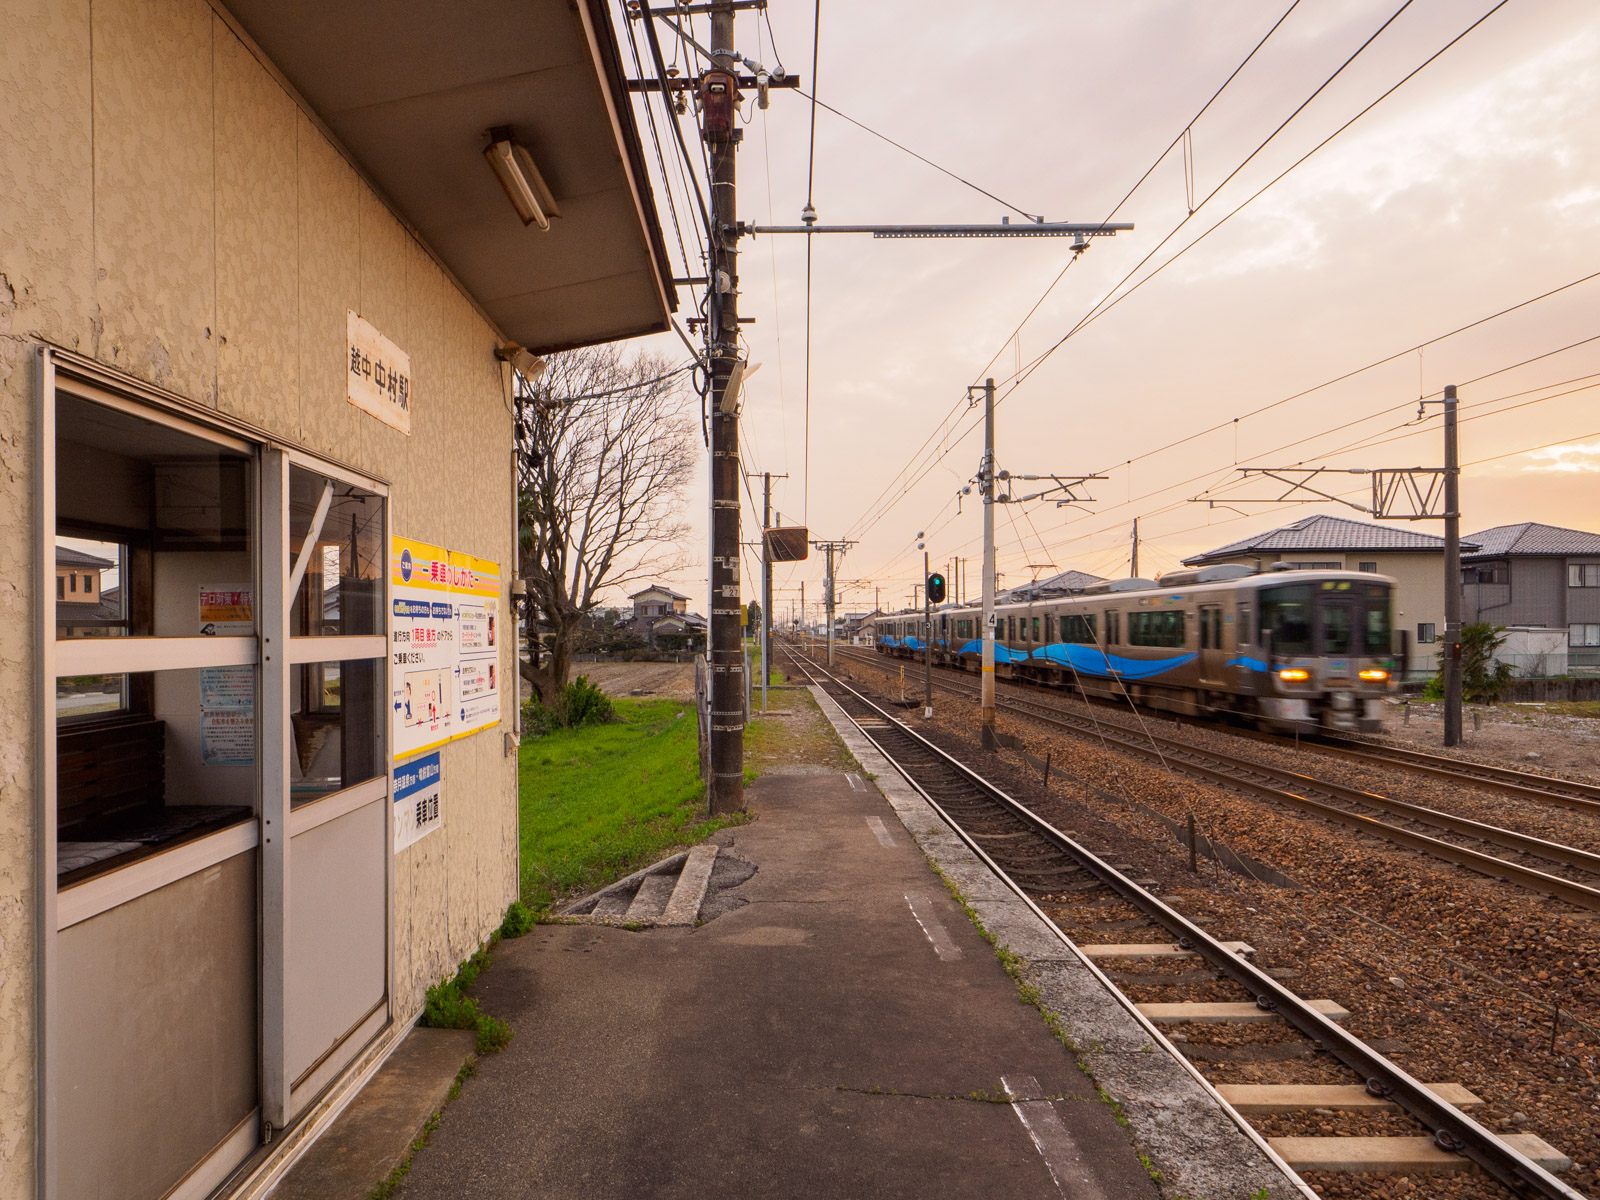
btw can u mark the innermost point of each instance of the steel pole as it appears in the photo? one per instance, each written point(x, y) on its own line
point(726, 651)
point(1452, 572)
point(986, 485)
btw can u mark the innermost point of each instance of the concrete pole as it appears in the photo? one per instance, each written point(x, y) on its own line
point(986, 482)
point(827, 596)
point(1452, 572)
point(1133, 572)
point(766, 587)
point(927, 643)
point(726, 656)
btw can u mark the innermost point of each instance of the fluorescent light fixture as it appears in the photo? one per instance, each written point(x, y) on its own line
point(515, 169)
point(742, 370)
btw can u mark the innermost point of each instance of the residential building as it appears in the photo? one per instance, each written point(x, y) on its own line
point(261, 294)
point(1062, 584)
point(1412, 558)
point(1543, 583)
point(656, 601)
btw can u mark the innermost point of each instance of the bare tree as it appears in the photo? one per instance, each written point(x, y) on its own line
point(607, 454)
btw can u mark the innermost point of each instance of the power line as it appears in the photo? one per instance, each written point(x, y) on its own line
point(810, 211)
point(1111, 298)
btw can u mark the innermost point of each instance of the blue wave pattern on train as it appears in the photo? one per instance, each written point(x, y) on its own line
point(1284, 650)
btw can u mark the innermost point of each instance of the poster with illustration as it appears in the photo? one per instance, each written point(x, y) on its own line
point(227, 694)
point(422, 646)
point(476, 585)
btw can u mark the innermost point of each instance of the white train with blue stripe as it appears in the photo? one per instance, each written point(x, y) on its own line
point(1286, 650)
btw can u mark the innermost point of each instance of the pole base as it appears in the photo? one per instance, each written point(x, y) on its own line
point(987, 738)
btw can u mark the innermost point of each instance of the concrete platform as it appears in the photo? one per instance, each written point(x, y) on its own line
point(1401, 1155)
point(373, 1135)
point(845, 1033)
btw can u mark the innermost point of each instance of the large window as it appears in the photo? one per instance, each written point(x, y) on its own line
point(1377, 636)
point(1484, 573)
point(1286, 618)
point(1583, 635)
point(1584, 575)
point(156, 690)
point(1078, 629)
point(1156, 628)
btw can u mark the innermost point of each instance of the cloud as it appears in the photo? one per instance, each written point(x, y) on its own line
point(1571, 457)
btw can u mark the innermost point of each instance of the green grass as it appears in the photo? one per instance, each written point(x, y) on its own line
point(1574, 708)
point(605, 800)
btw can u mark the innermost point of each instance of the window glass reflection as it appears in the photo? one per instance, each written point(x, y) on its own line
point(342, 589)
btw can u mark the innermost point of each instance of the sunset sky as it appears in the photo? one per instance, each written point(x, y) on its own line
point(1471, 189)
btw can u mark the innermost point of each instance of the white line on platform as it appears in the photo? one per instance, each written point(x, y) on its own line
point(922, 910)
point(1055, 1143)
point(881, 832)
point(855, 784)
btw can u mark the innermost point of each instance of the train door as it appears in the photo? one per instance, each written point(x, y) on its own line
point(1336, 630)
point(1212, 655)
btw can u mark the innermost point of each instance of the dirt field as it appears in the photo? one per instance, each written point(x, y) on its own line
point(669, 680)
point(1510, 735)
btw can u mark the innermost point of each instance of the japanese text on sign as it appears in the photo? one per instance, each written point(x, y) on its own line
point(377, 374)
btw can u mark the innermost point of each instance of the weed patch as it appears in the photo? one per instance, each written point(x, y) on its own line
point(600, 801)
point(449, 1007)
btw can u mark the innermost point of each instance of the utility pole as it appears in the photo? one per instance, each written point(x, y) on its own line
point(766, 585)
point(1452, 572)
point(927, 644)
point(719, 113)
point(828, 588)
point(1133, 571)
point(986, 487)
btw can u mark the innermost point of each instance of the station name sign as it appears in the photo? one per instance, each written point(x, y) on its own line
point(377, 374)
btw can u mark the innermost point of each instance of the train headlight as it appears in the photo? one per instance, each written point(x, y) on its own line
point(1294, 674)
point(1374, 675)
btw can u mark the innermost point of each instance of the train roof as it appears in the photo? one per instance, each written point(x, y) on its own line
point(1186, 580)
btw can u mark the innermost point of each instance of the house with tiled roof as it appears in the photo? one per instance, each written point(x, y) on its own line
point(1412, 557)
point(1062, 584)
point(1543, 583)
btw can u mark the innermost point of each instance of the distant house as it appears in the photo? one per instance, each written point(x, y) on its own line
point(1543, 583)
point(1414, 559)
point(656, 601)
point(678, 631)
point(1061, 584)
point(78, 576)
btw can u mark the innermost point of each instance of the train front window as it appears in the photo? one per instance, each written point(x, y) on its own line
point(1286, 616)
point(1377, 637)
point(1335, 628)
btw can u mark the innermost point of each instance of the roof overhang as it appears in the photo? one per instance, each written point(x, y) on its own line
point(409, 91)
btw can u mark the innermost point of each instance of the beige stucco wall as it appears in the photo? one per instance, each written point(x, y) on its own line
point(169, 210)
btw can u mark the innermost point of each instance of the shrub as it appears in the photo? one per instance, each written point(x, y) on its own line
point(1483, 680)
point(582, 703)
point(519, 919)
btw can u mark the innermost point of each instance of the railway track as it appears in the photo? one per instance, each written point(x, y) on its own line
point(1577, 884)
point(1076, 888)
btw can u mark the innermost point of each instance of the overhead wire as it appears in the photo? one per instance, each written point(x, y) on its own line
point(1016, 333)
point(1112, 297)
point(810, 209)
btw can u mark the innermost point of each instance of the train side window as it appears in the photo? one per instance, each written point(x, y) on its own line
point(1243, 629)
point(1113, 627)
point(1036, 629)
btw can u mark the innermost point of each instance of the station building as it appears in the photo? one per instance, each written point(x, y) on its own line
point(264, 274)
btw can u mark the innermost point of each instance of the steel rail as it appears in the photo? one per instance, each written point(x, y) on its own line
point(1574, 794)
point(1452, 1127)
point(1235, 773)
